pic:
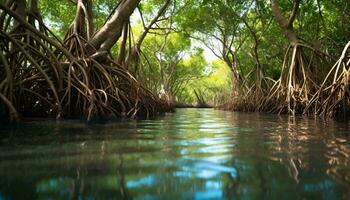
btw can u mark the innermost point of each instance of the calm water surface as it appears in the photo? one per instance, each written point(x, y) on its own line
point(192, 154)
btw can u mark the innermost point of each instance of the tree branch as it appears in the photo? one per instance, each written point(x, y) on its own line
point(109, 34)
point(294, 13)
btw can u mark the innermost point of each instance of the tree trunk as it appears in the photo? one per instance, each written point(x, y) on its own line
point(286, 25)
point(136, 49)
point(109, 34)
point(20, 11)
point(122, 49)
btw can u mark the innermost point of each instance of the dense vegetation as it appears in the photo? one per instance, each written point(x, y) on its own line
point(126, 58)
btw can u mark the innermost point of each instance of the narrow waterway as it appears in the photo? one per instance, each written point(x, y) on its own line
point(191, 154)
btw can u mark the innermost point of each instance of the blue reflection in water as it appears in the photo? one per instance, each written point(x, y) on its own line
point(2, 197)
point(142, 182)
point(209, 194)
point(327, 188)
point(61, 185)
point(324, 185)
point(192, 154)
point(213, 184)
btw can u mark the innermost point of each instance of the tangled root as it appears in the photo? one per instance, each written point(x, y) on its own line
point(40, 77)
point(298, 82)
point(249, 97)
point(332, 98)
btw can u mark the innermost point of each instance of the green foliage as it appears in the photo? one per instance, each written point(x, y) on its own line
point(59, 14)
point(214, 85)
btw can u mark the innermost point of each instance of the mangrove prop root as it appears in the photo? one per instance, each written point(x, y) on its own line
point(299, 90)
point(332, 98)
point(42, 77)
point(298, 83)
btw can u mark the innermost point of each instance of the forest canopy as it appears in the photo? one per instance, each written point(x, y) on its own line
point(128, 58)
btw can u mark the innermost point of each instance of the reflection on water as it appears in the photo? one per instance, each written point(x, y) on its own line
point(192, 154)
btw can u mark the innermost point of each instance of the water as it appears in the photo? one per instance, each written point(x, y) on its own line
point(192, 154)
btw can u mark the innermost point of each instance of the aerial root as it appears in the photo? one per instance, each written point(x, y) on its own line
point(39, 79)
point(332, 98)
point(298, 89)
point(248, 96)
point(293, 92)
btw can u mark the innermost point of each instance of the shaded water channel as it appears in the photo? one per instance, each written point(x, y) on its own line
point(192, 154)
